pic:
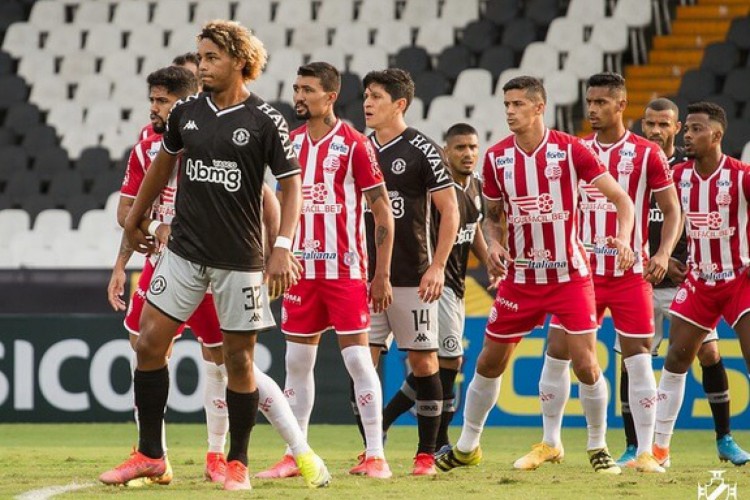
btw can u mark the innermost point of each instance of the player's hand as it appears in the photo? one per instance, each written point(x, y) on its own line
point(162, 236)
point(625, 255)
point(497, 263)
point(656, 268)
point(137, 239)
point(116, 289)
point(381, 293)
point(283, 271)
point(431, 285)
point(676, 271)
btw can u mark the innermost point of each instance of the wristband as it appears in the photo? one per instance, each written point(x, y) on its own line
point(283, 242)
point(153, 226)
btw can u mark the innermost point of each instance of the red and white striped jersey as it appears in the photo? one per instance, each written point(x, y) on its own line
point(330, 241)
point(539, 192)
point(716, 213)
point(640, 167)
point(146, 132)
point(140, 159)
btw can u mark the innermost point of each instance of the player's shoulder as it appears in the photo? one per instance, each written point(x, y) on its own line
point(679, 168)
point(351, 134)
point(501, 145)
point(735, 164)
point(265, 111)
point(643, 143)
point(190, 102)
point(420, 143)
point(299, 131)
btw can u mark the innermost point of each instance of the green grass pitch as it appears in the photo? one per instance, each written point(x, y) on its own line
point(37, 456)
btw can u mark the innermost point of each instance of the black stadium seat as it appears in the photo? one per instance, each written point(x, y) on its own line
point(351, 89)
point(65, 185)
point(519, 33)
point(13, 90)
point(453, 60)
point(542, 12)
point(14, 157)
point(739, 33)
point(497, 59)
point(21, 117)
point(429, 85)
point(726, 102)
point(355, 113)
point(480, 35)
point(20, 186)
point(92, 161)
point(6, 64)
point(736, 136)
point(697, 84)
point(501, 12)
point(38, 138)
point(720, 58)
point(50, 161)
point(7, 137)
point(413, 59)
point(737, 85)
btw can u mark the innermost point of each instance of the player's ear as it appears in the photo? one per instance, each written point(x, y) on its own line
point(678, 127)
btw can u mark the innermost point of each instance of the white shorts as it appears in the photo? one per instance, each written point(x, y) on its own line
point(241, 300)
point(663, 298)
point(413, 323)
point(451, 316)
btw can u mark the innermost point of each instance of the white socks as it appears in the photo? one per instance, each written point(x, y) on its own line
point(642, 399)
point(273, 405)
point(214, 402)
point(671, 393)
point(299, 388)
point(368, 394)
point(481, 396)
point(554, 392)
point(594, 401)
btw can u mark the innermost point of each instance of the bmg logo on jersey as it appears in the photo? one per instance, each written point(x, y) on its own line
point(220, 172)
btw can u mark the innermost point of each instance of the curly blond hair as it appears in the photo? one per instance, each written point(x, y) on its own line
point(239, 42)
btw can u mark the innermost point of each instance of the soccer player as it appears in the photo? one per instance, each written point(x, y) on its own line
point(714, 191)
point(189, 61)
point(166, 87)
point(462, 153)
point(417, 179)
point(531, 193)
point(338, 167)
point(661, 124)
point(226, 137)
point(641, 168)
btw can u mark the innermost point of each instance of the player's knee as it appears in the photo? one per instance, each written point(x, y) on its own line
point(238, 361)
point(423, 364)
point(678, 360)
point(708, 354)
point(586, 369)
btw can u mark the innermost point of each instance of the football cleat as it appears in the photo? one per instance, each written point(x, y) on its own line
point(646, 463)
point(286, 467)
point(661, 455)
point(162, 480)
point(137, 466)
point(628, 455)
point(377, 467)
point(216, 467)
point(237, 477)
point(313, 470)
point(359, 469)
point(602, 462)
point(540, 453)
point(453, 457)
point(424, 465)
point(729, 451)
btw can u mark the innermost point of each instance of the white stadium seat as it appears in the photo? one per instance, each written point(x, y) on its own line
point(144, 39)
point(589, 12)
point(446, 110)
point(91, 12)
point(473, 85)
point(368, 59)
point(746, 153)
point(103, 39)
point(565, 33)
point(74, 66)
point(171, 13)
point(21, 39)
point(52, 222)
point(612, 36)
point(208, 10)
point(352, 37)
point(254, 14)
point(46, 93)
point(460, 12)
point(309, 37)
point(415, 111)
point(13, 221)
point(64, 40)
point(374, 13)
point(334, 13)
point(393, 35)
point(37, 66)
point(92, 88)
point(47, 14)
point(539, 59)
point(294, 13)
point(330, 55)
point(416, 14)
point(435, 35)
point(131, 14)
point(66, 115)
point(119, 64)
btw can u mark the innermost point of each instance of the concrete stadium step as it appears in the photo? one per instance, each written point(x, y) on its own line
point(693, 27)
point(711, 12)
point(725, 2)
point(687, 57)
point(686, 41)
point(661, 85)
point(656, 71)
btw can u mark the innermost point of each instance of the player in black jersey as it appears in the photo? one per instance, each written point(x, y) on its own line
point(462, 153)
point(416, 178)
point(661, 125)
point(226, 136)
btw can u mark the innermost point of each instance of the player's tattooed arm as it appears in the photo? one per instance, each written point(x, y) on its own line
point(381, 294)
point(116, 286)
point(496, 230)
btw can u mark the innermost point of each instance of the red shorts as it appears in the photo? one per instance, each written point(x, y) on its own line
point(204, 322)
point(312, 306)
point(629, 299)
point(519, 308)
point(704, 305)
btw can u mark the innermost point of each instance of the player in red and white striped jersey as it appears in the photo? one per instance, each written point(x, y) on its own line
point(640, 167)
point(530, 183)
point(338, 167)
point(714, 192)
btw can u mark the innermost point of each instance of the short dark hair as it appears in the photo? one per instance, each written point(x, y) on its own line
point(397, 82)
point(177, 80)
point(533, 86)
point(186, 58)
point(664, 104)
point(460, 129)
point(329, 76)
point(608, 79)
point(714, 111)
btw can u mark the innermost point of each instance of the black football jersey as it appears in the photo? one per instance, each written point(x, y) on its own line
point(224, 154)
point(656, 221)
point(413, 166)
point(470, 210)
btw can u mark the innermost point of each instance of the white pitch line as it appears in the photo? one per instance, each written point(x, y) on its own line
point(51, 491)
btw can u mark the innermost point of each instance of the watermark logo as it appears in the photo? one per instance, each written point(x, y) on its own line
point(717, 488)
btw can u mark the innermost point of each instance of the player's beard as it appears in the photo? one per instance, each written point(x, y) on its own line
point(305, 115)
point(160, 126)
